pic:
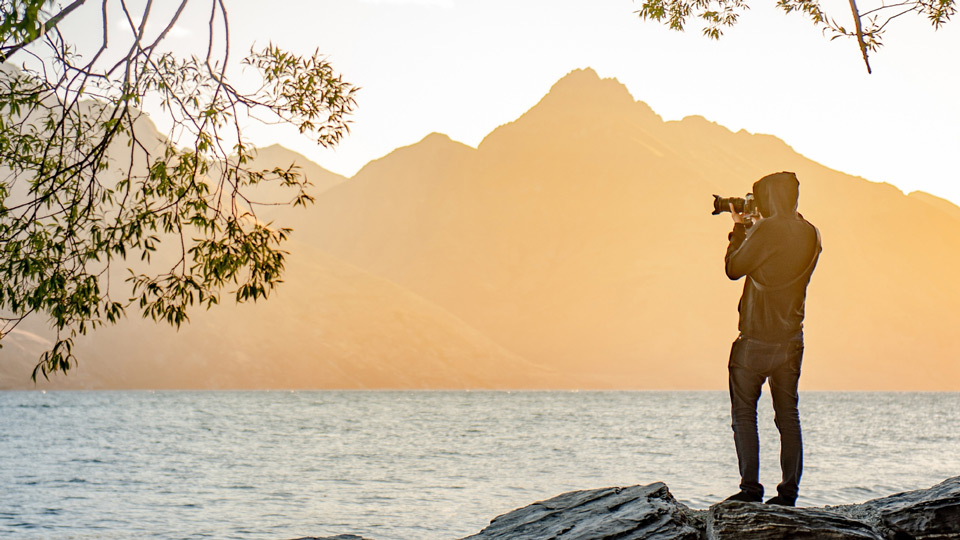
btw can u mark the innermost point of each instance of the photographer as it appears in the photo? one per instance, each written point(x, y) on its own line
point(777, 253)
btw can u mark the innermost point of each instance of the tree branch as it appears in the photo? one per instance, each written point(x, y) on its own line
point(863, 45)
point(44, 28)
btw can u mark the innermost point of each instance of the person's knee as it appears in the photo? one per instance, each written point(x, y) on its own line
point(787, 422)
point(744, 418)
point(785, 407)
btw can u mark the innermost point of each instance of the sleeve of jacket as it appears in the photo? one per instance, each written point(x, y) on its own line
point(745, 252)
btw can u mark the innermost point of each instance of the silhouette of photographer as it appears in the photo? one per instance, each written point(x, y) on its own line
point(777, 251)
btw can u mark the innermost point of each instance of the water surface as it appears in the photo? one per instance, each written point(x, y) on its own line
point(419, 465)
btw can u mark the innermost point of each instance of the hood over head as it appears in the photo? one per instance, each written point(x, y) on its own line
point(777, 194)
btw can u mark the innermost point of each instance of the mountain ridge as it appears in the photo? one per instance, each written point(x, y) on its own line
point(539, 182)
point(578, 239)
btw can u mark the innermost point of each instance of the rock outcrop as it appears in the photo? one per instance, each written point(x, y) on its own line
point(651, 513)
point(924, 514)
point(630, 512)
point(754, 521)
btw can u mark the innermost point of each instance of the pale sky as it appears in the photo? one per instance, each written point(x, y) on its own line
point(463, 67)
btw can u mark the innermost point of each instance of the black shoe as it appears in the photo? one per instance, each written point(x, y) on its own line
point(782, 501)
point(743, 496)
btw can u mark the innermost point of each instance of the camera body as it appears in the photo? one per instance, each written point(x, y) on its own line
point(746, 206)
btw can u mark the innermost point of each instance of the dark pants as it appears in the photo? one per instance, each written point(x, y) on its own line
point(751, 363)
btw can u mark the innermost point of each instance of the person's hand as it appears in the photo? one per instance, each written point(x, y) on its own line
point(737, 218)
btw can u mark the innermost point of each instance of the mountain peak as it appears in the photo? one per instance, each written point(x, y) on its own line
point(440, 141)
point(434, 149)
point(580, 98)
point(436, 138)
point(586, 84)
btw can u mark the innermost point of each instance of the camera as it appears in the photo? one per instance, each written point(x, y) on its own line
point(746, 205)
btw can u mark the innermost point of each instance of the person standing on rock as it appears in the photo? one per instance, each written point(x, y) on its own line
point(777, 254)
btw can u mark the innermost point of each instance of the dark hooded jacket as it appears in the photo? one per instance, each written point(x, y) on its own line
point(778, 255)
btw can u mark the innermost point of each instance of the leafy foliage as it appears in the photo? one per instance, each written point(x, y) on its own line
point(21, 20)
point(85, 187)
point(868, 26)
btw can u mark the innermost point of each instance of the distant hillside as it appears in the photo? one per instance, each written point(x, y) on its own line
point(579, 236)
point(330, 326)
point(278, 156)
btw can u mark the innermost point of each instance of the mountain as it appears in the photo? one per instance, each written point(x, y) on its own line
point(278, 156)
point(330, 326)
point(573, 248)
point(580, 237)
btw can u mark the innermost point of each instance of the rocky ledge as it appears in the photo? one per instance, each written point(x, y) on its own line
point(651, 512)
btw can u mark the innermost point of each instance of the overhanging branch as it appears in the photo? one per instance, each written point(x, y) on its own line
point(44, 28)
